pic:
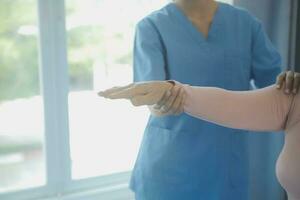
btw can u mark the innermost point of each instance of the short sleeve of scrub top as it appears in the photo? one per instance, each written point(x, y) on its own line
point(265, 58)
point(149, 61)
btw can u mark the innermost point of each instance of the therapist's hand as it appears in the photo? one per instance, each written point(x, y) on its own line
point(172, 103)
point(143, 93)
point(290, 81)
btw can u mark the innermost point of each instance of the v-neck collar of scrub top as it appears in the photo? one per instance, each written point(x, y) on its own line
point(192, 29)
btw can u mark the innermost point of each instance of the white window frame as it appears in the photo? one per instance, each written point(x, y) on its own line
point(54, 83)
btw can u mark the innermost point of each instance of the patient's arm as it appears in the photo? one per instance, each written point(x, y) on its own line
point(261, 110)
point(264, 109)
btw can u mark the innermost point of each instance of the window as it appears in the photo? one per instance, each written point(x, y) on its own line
point(100, 56)
point(22, 162)
point(55, 55)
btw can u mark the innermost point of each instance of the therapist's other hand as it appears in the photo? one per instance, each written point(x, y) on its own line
point(290, 81)
point(172, 103)
point(142, 93)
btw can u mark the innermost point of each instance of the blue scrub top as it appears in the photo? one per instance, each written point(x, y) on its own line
point(182, 157)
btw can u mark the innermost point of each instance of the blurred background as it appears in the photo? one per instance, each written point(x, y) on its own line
point(99, 44)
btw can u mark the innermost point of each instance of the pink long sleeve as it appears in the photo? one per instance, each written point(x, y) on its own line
point(260, 110)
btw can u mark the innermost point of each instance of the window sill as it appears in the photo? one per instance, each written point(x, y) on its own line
point(118, 192)
point(110, 187)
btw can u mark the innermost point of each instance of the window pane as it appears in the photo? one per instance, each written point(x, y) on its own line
point(21, 116)
point(105, 135)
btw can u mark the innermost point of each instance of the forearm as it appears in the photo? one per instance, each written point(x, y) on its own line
point(261, 110)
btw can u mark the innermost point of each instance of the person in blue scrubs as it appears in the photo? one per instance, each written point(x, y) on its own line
point(181, 157)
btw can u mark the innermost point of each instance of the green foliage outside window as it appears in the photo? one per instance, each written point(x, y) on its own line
point(19, 65)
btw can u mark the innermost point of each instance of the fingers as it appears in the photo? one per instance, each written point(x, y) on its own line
point(143, 100)
point(150, 98)
point(181, 106)
point(124, 94)
point(177, 107)
point(127, 92)
point(114, 90)
point(280, 80)
point(168, 105)
point(296, 83)
point(289, 82)
point(178, 104)
point(164, 99)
